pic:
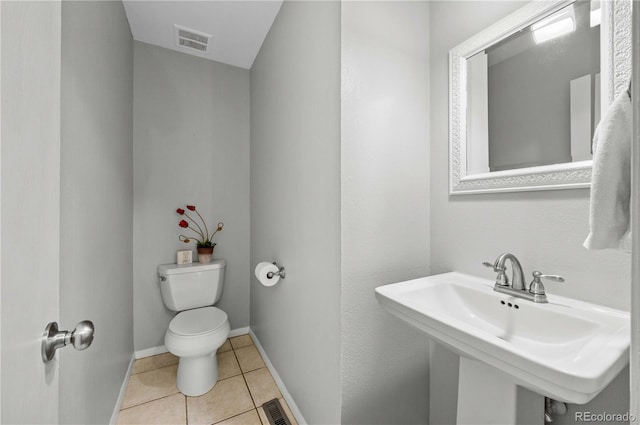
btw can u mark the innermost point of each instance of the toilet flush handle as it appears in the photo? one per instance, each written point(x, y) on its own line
point(52, 339)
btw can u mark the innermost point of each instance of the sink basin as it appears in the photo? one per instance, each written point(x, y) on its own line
point(565, 349)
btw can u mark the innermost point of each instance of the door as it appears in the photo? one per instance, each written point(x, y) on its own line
point(29, 207)
point(635, 224)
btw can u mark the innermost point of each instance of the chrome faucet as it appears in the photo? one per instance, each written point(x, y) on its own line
point(517, 288)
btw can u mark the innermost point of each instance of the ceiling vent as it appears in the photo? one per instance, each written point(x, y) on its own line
point(192, 39)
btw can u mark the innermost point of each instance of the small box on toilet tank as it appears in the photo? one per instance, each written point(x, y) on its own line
point(184, 257)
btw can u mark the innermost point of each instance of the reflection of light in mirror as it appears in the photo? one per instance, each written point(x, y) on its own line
point(551, 28)
point(595, 16)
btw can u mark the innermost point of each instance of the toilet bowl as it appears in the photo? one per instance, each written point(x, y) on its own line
point(199, 329)
point(195, 336)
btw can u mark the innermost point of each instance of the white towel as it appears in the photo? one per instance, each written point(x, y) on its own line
point(611, 179)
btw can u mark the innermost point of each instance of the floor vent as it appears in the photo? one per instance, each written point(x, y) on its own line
point(275, 413)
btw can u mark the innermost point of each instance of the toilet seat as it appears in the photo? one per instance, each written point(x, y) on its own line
point(197, 332)
point(198, 322)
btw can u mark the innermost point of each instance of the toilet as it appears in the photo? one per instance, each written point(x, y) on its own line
point(199, 329)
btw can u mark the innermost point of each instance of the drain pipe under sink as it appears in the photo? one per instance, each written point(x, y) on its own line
point(552, 407)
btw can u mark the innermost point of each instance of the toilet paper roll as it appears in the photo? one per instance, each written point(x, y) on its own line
point(260, 266)
point(262, 269)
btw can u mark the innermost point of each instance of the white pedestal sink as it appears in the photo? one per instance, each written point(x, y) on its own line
point(565, 349)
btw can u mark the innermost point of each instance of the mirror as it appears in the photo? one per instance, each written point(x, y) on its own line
point(527, 93)
point(533, 98)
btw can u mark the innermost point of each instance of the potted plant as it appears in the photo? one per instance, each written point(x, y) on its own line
point(203, 239)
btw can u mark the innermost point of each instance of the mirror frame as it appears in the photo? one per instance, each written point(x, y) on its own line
point(615, 71)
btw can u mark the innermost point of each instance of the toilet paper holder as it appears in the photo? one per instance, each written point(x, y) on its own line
point(281, 272)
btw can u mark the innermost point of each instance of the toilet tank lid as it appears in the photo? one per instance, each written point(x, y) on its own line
point(168, 269)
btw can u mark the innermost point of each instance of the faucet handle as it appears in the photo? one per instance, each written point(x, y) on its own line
point(538, 275)
point(501, 279)
point(536, 287)
point(494, 267)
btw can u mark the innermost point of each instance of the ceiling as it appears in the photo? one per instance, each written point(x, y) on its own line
point(238, 27)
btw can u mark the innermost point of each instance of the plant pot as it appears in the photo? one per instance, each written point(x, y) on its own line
point(205, 254)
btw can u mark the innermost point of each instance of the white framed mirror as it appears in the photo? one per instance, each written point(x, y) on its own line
point(526, 94)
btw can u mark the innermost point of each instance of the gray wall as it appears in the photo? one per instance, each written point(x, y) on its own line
point(295, 202)
point(97, 205)
point(385, 207)
point(544, 229)
point(191, 146)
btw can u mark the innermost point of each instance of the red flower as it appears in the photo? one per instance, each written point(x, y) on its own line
point(198, 227)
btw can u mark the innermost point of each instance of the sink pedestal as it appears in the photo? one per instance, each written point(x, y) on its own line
point(489, 396)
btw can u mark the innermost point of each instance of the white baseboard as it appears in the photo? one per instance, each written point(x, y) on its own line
point(148, 352)
point(123, 389)
point(161, 349)
point(238, 332)
point(283, 389)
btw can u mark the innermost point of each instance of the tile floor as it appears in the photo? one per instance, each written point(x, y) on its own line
point(244, 384)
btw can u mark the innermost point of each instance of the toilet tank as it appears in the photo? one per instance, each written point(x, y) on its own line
point(188, 286)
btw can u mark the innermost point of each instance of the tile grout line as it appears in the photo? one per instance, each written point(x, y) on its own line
point(253, 401)
point(233, 350)
point(247, 384)
point(245, 379)
point(260, 417)
point(186, 411)
point(158, 367)
point(151, 370)
point(152, 400)
point(229, 377)
point(149, 401)
point(158, 398)
point(239, 414)
point(255, 407)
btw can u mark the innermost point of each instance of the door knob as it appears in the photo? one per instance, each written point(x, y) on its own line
point(52, 338)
